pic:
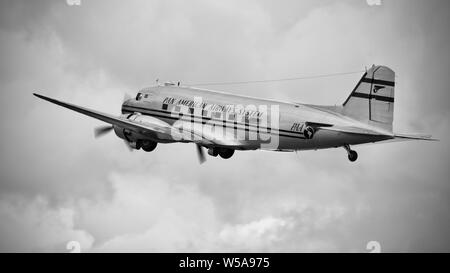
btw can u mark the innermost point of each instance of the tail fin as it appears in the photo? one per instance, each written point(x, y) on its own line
point(372, 99)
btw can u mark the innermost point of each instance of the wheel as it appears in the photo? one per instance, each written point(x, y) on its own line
point(148, 145)
point(352, 156)
point(138, 145)
point(226, 153)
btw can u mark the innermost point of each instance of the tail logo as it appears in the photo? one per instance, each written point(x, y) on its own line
point(376, 88)
point(308, 132)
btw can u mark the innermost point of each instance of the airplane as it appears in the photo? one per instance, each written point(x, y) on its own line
point(224, 123)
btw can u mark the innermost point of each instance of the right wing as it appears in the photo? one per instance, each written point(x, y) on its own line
point(206, 137)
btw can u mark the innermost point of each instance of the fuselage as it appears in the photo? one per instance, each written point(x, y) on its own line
point(246, 117)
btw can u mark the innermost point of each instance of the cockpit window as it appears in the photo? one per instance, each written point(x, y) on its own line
point(139, 96)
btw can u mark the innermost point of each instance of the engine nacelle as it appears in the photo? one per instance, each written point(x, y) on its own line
point(126, 134)
point(138, 117)
point(129, 135)
point(308, 132)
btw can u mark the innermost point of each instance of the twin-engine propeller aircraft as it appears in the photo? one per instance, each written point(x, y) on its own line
point(223, 123)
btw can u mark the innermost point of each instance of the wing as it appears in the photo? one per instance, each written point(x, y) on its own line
point(179, 131)
point(205, 137)
point(122, 122)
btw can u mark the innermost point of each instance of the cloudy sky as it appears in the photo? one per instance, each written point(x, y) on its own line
point(58, 183)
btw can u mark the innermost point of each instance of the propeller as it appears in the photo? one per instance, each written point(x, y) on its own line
point(201, 154)
point(102, 130)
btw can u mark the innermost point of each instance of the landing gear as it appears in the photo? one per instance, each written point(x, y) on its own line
point(223, 152)
point(226, 153)
point(352, 155)
point(147, 145)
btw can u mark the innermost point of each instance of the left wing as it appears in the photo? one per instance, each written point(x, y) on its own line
point(142, 128)
point(176, 132)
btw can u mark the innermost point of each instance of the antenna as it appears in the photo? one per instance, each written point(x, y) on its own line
point(278, 80)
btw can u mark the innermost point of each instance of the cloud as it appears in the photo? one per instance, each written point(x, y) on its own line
point(34, 226)
point(152, 215)
point(167, 214)
point(254, 235)
point(97, 192)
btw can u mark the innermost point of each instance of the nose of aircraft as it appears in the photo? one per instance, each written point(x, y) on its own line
point(126, 100)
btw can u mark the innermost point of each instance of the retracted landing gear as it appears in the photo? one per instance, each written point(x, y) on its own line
point(146, 145)
point(223, 152)
point(352, 155)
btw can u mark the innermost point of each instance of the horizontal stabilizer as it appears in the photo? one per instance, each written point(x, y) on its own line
point(405, 137)
point(352, 130)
